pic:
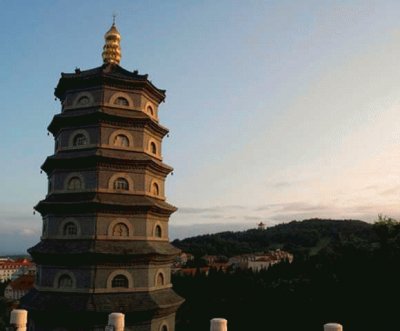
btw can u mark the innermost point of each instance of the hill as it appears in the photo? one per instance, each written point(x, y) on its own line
point(349, 274)
point(306, 237)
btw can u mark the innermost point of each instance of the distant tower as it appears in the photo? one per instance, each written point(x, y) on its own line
point(261, 226)
point(104, 246)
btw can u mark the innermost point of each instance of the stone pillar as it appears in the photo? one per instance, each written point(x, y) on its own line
point(333, 327)
point(218, 324)
point(116, 322)
point(18, 319)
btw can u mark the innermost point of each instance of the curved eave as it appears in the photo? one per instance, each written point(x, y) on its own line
point(96, 157)
point(57, 307)
point(98, 115)
point(107, 74)
point(83, 251)
point(92, 202)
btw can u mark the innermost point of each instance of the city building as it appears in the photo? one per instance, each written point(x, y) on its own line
point(260, 261)
point(104, 245)
point(19, 287)
point(11, 269)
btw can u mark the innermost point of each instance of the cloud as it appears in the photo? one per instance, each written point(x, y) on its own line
point(213, 209)
point(28, 232)
point(213, 216)
point(300, 207)
point(194, 210)
point(185, 231)
point(266, 207)
point(391, 191)
point(252, 218)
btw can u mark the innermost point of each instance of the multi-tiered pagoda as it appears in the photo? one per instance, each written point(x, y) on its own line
point(104, 246)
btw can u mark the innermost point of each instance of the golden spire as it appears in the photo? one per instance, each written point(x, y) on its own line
point(111, 49)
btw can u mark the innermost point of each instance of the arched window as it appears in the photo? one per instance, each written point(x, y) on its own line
point(121, 101)
point(150, 110)
point(153, 147)
point(160, 279)
point(74, 184)
point(155, 189)
point(79, 140)
point(83, 101)
point(164, 328)
point(70, 229)
point(121, 140)
point(120, 230)
point(65, 281)
point(158, 231)
point(121, 184)
point(120, 281)
point(44, 230)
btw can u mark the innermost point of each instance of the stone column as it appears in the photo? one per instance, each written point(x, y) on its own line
point(18, 319)
point(333, 327)
point(218, 324)
point(116, 322)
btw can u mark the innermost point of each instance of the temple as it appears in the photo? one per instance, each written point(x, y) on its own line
point(104, 246)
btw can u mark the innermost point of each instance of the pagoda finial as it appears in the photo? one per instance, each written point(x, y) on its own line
point(111, 49)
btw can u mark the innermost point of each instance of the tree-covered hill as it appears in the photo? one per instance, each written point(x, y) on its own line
point(351, 276)
point(298, 237)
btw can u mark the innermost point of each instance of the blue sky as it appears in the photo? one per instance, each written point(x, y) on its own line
point(278, 110)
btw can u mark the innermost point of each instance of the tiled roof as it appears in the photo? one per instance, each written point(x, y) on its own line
point(25, 282)
point(77, 302)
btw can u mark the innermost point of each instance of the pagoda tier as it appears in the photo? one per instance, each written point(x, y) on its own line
point(145, 303)
point(102, 202)
point(104, 158)
point(87, 116)
point(89, 311)
point(86, 252)
point(107, 75)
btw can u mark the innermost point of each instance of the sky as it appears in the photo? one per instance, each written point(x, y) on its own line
point(277, 110)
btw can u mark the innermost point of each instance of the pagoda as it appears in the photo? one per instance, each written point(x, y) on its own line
point(104, 246)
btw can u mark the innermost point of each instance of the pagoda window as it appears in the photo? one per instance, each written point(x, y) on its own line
point(158, 231)
point(153, 147)
point(65, 281)
point(74, 184)
point(120, 281)
point(155, 189)
point(121, 140)
point(80, 140)
point(150, 110)
point(56, 144)
point(121, 101)
point(121, 184)
point(83, 101)
point(120, 230)
point(70, 229)
point(44, 230)
point(160, 279)
point(50, 185)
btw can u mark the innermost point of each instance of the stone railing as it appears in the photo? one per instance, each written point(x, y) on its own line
point(116, 322)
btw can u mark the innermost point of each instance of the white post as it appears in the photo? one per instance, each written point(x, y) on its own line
point(333, 327)
point(116, 322)
point(218, 324)
point(18, 319)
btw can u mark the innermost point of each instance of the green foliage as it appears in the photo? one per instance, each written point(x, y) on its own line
point(386, 229)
